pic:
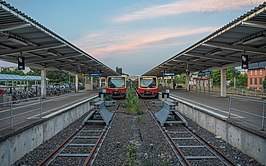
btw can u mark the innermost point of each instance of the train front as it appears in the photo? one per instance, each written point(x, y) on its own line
point(148, 87)
point(116, 86)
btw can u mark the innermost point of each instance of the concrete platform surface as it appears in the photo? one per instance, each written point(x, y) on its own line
point(48, 105)
point(219, 107)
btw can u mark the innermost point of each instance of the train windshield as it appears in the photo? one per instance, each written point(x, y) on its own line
point(116, 82)
point(147, 82)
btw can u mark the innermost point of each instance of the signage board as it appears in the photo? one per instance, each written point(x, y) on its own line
point(203, 73)
point(21, 63)
point(244, 59)
point(95, 74)
point(168, 74)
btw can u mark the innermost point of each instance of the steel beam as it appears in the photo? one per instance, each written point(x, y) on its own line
point(226, 59)
point(30, 49)
point(235, 47)
point(198, 63)
point(53, 58)
point(257, 24)
point(13, 26)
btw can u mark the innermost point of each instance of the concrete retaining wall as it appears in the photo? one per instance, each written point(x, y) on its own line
point(247, 142)
point(15, 147)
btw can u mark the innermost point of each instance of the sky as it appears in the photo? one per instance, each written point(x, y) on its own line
point(136, 35)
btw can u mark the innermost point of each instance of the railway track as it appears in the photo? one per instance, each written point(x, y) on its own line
point(190, 148)
point(81, 147)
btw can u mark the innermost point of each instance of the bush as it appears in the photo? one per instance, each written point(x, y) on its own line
point(132, 153)
point(132, 102)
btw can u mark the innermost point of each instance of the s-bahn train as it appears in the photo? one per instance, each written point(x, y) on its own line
point(147, 87)
point(116, 86)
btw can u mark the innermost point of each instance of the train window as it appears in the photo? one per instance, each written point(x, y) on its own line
point(116, 82)
point(147, 82)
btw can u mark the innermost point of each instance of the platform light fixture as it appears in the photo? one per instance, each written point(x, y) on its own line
point(53, 53)
point(195, 59)
point(18, 41)
point(70, 60)
point(214, 52)
point(254, 24)
point(255, 39)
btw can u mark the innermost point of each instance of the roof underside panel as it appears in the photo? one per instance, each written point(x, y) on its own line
point(223, 48)
point(20, 35)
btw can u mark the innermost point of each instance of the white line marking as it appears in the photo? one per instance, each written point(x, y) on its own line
point(200, 104)
point(63, 109)
point(37, 102)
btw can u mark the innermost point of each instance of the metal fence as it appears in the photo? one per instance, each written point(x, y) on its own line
point(11, 113)
point(254, 113)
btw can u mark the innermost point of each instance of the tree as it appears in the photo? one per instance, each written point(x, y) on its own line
point(242, 80)
point(180, 79)
point(15, 71)
point(34, 72)
point(55, 76)
point(216, 77)
point(230, 72)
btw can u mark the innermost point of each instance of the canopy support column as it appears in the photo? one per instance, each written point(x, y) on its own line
point(223, 82)
point(92, 83)
point(43, 83)
point(187, 82)
point(100, 82)
point(77, 84)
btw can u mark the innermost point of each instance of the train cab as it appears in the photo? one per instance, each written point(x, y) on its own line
point(147, 86)
point(116, 86)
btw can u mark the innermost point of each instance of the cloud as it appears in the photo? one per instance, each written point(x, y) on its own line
point(104, 43)
point(185, 6)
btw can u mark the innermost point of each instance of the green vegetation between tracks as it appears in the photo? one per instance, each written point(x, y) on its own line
point(133, 102)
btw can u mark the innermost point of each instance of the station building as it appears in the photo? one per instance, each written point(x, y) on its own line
point(256, 75)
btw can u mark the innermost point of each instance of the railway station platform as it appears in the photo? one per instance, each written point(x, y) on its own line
point(30, 113)
point(240, 121)
point(244, 111)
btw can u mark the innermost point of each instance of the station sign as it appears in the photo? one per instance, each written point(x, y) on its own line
point(204, 73)
point(95, 74)
point(168, 74)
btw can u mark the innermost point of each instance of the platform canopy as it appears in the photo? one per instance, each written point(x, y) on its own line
point(21, 36)
point(14, 77)
point(245, 35)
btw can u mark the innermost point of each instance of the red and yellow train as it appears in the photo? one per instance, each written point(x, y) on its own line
point(116, 86)
point(147, 87)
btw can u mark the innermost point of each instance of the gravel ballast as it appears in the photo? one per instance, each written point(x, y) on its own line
point(139, 131)
point(231, 152)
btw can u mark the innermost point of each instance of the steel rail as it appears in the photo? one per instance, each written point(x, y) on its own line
point(181, 155)
point(178, 153)
point(90, 158)
point(92, 152)
point(58, 150)
point(207, 145)
point(60, 147)
point(213, 148)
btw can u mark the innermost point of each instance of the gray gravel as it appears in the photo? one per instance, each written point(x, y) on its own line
point(34, 157)
point(231, 152)
point(152, 148)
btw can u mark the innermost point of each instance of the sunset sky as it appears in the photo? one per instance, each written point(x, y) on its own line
point(136, 35)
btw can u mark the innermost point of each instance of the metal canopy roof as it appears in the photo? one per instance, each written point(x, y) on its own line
point(13, 77)
point(20, 35)
point(223, 48)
